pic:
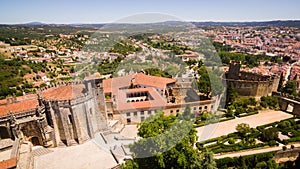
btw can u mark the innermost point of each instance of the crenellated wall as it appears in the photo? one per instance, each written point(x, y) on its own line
point(285, 100)
point(251, 84)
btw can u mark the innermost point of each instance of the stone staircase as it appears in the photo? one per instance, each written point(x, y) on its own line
point(41, 151)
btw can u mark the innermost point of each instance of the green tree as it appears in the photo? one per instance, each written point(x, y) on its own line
point(269, 101)
point(187, 114)
point(209, 162)
point(269, 134)
point(231, 94)
point(204, 85)
point(243, 129)
point(289, 88)
point(169, 142)
point(281, 81)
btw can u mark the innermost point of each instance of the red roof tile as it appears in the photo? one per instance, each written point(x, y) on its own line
point(63, 92)
point(17, 107)
point(153, 81)
point(137, 79)
point(10, 163)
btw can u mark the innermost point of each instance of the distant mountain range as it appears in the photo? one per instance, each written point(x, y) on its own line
point(293, 23)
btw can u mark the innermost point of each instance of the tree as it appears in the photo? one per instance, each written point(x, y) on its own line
point(204, 85)
point(243, 129)
point(169, 143)
point(216, 84)
point(269, 134)
point(290, 88)
point(231, 94)
point(209, 162)
point(269, 101)
point(281, 81)
point(187, 114)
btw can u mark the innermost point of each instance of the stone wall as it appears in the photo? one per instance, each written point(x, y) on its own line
point(76, 120)
point(251, 84)
point(285, 100)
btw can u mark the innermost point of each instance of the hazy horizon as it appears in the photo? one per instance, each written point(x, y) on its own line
point(38, 22)
point(92, 11)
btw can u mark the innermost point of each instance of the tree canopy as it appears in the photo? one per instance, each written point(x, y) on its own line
point(243, 129)
point(168, 142)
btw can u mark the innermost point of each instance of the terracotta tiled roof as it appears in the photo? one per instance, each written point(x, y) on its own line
point(27, 97)
point(63, 92)
point(17, 107)
point(3, 101)
point(10, 163)
point(116, 83)
point(154, 81)
point(137, 79)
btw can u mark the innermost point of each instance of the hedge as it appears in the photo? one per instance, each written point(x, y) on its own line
point(249, 160)
point(247, 114)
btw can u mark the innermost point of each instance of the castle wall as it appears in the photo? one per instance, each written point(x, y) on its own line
point(251, 84)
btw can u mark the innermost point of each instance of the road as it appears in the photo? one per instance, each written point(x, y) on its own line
point(288, 72)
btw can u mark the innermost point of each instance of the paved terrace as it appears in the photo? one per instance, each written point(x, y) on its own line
point(84, 156)
point(224, 128)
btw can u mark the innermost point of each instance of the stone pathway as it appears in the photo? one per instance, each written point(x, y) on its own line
point(41, 151)
point(226, 127)
point(84, 156)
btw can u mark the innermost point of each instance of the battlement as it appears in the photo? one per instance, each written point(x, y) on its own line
point(73, 101)
point(279, 94)
point(251, 84)
point(62, 83)
point(234, 69)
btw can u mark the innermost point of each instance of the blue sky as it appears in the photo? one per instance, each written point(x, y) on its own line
point(104, 11)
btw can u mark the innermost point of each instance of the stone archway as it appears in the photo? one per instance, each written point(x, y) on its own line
point(35, 141)
point(4, 132)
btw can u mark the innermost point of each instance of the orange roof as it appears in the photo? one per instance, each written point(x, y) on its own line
point(27, 97)
point(3, 101)
point(154, 81)
point(137, 79)
point(116, 83)
point(18, 107)
point(10, 163)
point(63, 92)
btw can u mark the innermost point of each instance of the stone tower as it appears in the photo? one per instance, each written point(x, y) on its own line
point(234, 70)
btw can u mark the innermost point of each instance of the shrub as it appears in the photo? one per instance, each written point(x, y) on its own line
point(284, 148)
point(269, 134)
point(284, 124)
point(231, 141)
point(272, 143)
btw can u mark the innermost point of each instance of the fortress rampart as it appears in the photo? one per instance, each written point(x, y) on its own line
point(250, 84)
